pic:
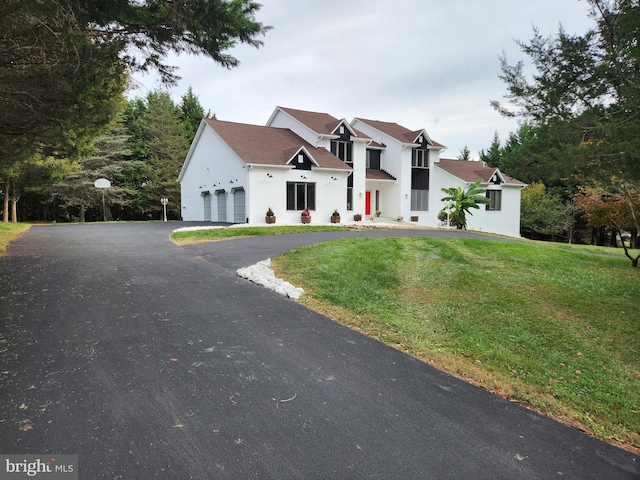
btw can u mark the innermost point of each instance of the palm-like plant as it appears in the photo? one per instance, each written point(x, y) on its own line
point(460, 201)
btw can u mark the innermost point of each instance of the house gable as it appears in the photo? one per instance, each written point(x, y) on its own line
point(259, 145)
point(343, 131)
point(304, 123)
point(471, 172)
point(400, 134)
point(302, 160)
point(192, 148)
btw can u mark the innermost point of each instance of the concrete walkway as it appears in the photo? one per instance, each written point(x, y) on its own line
point(153, 361)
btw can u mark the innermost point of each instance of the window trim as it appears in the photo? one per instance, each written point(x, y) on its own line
point(309, 200)
point(420, 158)
point(495, 201)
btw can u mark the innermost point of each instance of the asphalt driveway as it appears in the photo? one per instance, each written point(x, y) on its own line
point(149, 360)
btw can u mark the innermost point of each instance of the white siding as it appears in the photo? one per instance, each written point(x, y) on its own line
point(284, 120)
point(269, 190)
point(212, 167)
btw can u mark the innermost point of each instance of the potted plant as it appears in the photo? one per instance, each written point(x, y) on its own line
point(335, 217)
point(357, 217)
point(270, 217)
point(305, 216)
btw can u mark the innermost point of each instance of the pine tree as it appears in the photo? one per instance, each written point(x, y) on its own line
point(492, 156)
point(192, 113)
point(168, 146)
point(465, 154)
point(111, 160)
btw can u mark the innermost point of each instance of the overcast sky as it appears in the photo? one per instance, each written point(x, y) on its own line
point(428, 64)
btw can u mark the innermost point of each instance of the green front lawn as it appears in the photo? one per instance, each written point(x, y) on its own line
point(556, 330)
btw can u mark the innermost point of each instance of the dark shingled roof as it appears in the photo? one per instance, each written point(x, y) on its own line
point(471, 172)
point(270, 146)
point(321, 123)
point(400, 133)
point(378, 175)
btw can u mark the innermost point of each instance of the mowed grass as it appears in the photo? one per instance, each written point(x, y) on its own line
point(555, 330)
point(9, 231)
point(224, 233)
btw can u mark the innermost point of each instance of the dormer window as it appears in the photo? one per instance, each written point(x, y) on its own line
point(300, 158)
point(341, 129)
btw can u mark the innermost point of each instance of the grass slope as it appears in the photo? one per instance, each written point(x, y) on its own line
point(553, 329)
point(9, 231)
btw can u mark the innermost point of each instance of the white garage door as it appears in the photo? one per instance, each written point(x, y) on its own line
point(207, 207)
point(222, 206)
point(238, 206)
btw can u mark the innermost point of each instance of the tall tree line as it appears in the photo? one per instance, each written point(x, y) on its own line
point(65, 64)
point(141, 155)
point(579, 121)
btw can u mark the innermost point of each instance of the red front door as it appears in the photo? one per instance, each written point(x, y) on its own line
point(367, 204)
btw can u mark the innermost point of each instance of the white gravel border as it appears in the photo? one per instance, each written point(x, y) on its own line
point(261, 274)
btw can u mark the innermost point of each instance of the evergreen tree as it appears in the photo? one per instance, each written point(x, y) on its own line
point(167, 149)
point(133, 117)
point(111, 159)
point(64, 65)
point(585, 92)
point(192, 113)
point(465, 154)
point(492, 156)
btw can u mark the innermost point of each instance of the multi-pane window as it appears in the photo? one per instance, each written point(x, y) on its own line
point(420, 189)
point(420, 200)
point(420, 158)
point(301, 195)
point(495, 200)
point(419, 179)
point(343, 150)
point(373, 159)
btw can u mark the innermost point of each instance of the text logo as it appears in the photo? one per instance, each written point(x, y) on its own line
point(45, 467)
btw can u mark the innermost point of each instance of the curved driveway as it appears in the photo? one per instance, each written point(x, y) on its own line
point(153, 361)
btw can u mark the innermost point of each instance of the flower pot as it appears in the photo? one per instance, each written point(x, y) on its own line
point(305, 219)
point(271, 219)
point(335, 219)
point(357, 217)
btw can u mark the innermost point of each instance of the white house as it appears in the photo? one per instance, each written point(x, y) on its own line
point(234, 172)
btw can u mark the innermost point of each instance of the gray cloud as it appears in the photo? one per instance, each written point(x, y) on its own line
point(423, 64)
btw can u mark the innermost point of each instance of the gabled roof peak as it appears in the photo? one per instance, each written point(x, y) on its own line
point(261, 145)
point(321, 123)
point(398, 132)
point(471, 171)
